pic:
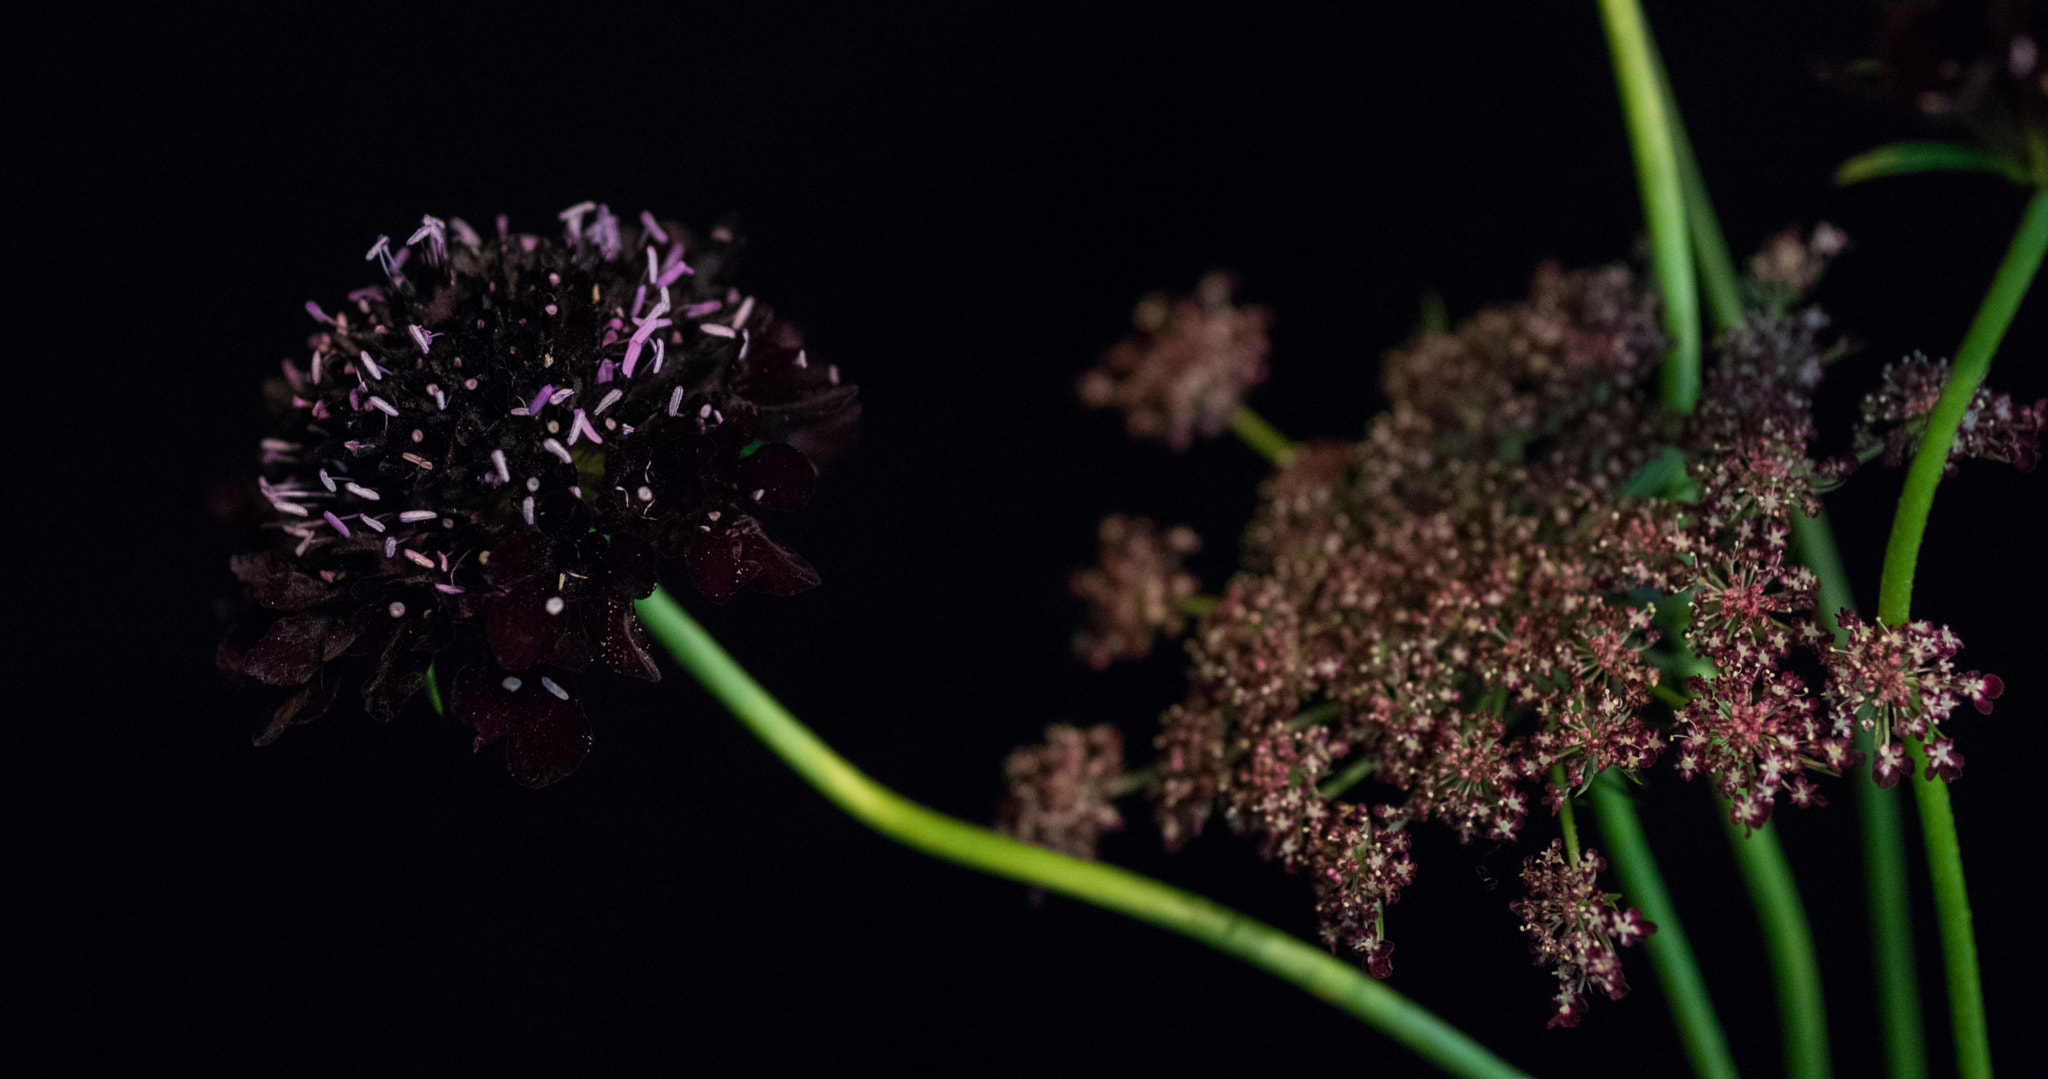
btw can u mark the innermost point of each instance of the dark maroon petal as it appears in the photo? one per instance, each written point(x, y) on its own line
point(519, 558)
point(481, 701)
point(783, 571)
point(572, 652)
point(547, 733)
point(1994, 688)
point(826, 440)
point(560, 514)
point(674, 469)
point(616, 635)
point(305, 706)
point(740, 424)
point(629, 566)
point(523, 625)
point(1379, 962)
point(275, 584)
point(724, 561)
point(716, 566)
point(782, 475)
point(400, 672)
point(553, 744)
point(292, 650)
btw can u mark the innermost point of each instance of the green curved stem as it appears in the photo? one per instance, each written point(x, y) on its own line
point(1626, 847)
point(1973, 359)
point(1884, 839)
point(1657, 177)
point(1894, 605)
point(1261, 436)
point(1106, 886)
point(1902, 158)
point(1790, 942)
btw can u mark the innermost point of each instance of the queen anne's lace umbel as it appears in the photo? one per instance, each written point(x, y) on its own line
point(1529, 572)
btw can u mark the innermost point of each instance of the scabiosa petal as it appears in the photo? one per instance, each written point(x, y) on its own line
point(544, 726)
point(734, 553)
point(502, 444)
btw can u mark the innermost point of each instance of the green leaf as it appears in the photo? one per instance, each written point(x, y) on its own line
point(1900, 158)
point(433, 687)
point(1662, 476)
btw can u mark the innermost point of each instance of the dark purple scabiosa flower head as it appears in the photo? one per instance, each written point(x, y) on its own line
point(1187, 366)
point(490, 453)
point(1137, 590)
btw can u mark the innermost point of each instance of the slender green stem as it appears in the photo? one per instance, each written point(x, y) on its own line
point(1952, 913)
point(1565, 816)
point(1350, 777)
point(1901, 158)
point(1884, 839)
point(1650, 138)
point(1894, 606)
point(1261, 436)
point(1794, 963)
point(1628, 849)
point(1973, 359)
point(1718, 282)
point(1768, 875)
point(1790, 941)
point(1197, 606)
point(1322, 975)
point(1891, 920)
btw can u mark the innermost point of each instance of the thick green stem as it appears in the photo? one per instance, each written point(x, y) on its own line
point(1626, 847)
point(1884, 839)
point(1790, 942)
point(1314, 970)
point(1261, 436)
point(1894, 606)
point(1657, 178)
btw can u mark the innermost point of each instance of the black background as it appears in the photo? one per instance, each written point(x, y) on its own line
point(958, 205)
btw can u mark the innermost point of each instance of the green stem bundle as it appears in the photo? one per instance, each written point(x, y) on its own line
point(1884, 837)
point(1677, 207)
point(1789, 940)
